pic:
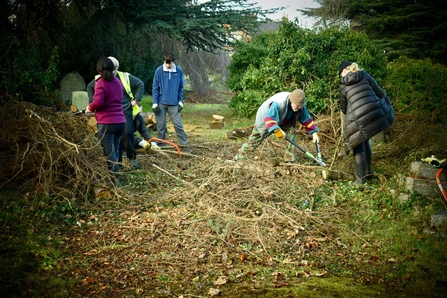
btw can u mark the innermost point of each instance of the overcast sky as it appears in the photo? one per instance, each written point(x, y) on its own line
point(290, 10)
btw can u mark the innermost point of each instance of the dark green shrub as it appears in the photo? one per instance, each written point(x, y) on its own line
point(418, 86)
point(25, 78)
point(293, 57)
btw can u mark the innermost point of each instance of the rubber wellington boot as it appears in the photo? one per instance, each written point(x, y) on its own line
point(360, 168)
point(368, 157)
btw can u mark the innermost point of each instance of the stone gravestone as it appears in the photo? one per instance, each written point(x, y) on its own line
point(80, 99)
point(423, 180)
point(71, 82)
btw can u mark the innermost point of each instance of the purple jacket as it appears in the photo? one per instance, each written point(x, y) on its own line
point(108, 102)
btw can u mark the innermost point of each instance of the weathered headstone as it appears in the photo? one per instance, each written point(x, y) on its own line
point(439, 219)
point(438, 224)
point(71, 82)
point(423, 180)
point(80, 99)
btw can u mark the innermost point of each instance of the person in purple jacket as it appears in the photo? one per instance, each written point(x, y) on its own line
point(108, 109)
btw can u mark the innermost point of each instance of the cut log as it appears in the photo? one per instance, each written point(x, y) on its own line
point(149, 118)
point(337, 175)
point(217, 122)
point(92, 124)
point(73, 108)
point(102, 192)
point(149, 121)
point(218, 119)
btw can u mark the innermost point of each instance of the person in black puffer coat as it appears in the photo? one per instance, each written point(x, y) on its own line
point(368, 111)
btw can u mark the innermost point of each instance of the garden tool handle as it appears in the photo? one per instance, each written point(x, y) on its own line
point(268, 134)
point(319, 161)
point(438, 181)
point(318, 150)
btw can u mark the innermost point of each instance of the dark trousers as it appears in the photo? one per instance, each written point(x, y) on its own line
point(128, 141)
point(109, 136)
point(140, 126)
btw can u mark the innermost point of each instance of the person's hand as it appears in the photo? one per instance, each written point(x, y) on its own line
point(315, 138)
point(87, 110)
point(180, 106)
point(155, 108)
point(133, 102)
point(280, 134)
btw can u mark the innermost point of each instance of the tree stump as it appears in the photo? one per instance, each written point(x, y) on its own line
point(217, 122)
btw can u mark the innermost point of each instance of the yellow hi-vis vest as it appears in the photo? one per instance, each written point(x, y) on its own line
point(124, 78)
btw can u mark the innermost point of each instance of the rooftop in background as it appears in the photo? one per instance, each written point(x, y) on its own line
point(290, 12)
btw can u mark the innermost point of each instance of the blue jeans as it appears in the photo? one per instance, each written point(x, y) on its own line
point(160, 118)
point(109, 136)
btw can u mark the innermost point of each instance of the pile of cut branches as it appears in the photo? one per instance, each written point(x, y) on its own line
point(49, 152)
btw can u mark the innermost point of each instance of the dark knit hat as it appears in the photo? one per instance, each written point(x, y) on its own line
point(297, 97)
point(343, 65)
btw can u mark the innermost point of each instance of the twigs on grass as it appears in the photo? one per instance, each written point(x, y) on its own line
point(166, 172)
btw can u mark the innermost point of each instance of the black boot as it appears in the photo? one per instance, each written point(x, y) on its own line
point(360, 168)
point(368, 157)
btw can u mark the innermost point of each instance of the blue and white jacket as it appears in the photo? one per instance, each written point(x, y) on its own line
point(167, 87)
point(277, 112)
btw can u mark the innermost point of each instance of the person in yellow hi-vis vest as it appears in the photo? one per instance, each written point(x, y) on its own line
point(132, 95)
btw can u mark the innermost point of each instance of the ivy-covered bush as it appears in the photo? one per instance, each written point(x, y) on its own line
point(418, 86)
point(293, 57)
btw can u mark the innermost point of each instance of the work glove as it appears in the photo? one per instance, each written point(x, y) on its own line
point(154, 147)
point(180, 106)
point(155, 108)
point(280, 134)
point(146, 145)
point(315, 138)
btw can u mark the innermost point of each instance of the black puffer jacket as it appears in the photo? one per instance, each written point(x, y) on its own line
point(367, 108)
